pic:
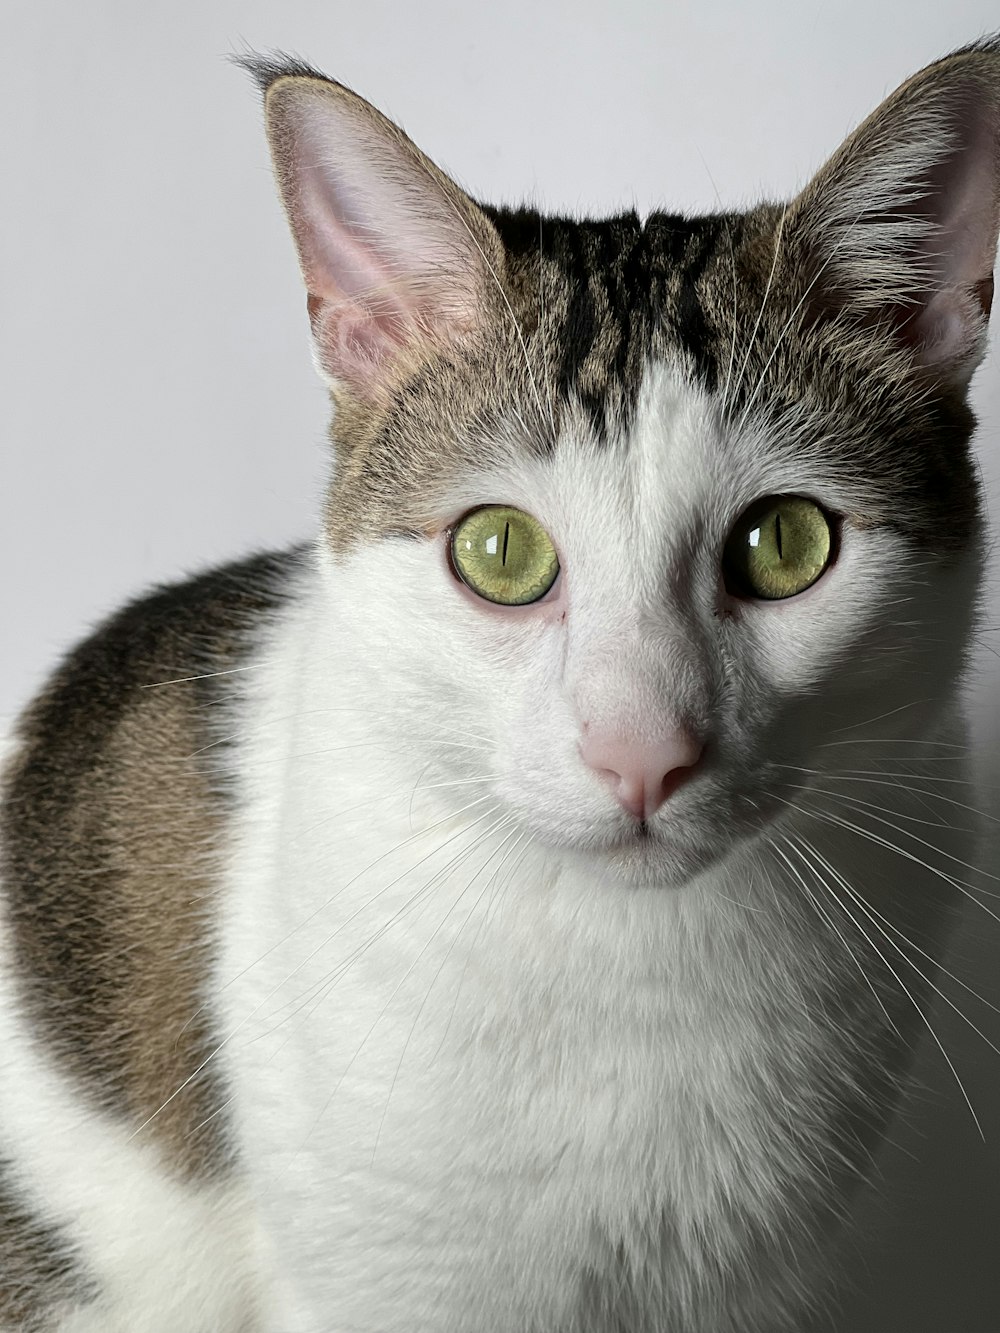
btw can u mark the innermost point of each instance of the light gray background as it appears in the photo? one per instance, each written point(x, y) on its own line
point(159, 409)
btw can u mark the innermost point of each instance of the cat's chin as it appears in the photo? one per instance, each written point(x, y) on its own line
point(656, 866)
point(641, 858)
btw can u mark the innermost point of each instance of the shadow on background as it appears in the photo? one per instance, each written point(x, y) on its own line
point(927, 1256)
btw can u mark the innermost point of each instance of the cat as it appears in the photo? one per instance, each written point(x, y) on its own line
point(500, 915)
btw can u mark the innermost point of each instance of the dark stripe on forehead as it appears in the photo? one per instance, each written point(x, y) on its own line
point(612, 293)
point(689, 325)
point(569, 248)
point(623, 262)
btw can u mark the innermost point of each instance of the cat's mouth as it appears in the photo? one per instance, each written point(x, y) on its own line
point(641, 832)
point(668, 850)
point(644, 854)
point(670, 853)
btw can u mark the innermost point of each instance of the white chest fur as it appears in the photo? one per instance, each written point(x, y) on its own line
point(477, 1088)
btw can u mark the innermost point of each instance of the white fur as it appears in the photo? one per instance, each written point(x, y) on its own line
point(475, 1050)
point(487, 1067)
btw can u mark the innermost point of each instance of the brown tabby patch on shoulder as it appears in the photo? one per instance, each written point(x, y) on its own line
point(109, 837)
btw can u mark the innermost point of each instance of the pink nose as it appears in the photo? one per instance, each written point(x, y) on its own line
point(642, 774)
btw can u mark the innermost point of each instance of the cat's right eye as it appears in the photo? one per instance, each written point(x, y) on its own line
point(778, 547)
point(504, 555)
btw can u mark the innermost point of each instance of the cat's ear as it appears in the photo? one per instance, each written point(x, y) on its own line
point(900, 226)
point(396, 258)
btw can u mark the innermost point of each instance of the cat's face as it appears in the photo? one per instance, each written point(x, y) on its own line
point(641, 391)
point(639, 635)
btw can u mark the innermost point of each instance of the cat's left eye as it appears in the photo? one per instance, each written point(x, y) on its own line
point(778, 547)
point(504, 555)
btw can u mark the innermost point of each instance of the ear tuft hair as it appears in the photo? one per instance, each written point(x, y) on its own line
point(267, 69)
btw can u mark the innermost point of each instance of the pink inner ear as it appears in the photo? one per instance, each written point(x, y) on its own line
point(340, 252)
point(940, 333)
point(962, 209)
point(385, 240)
point(353, 344)
point(358, 308)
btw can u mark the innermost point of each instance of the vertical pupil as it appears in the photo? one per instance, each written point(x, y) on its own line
point(506, 538)
point(777, 533)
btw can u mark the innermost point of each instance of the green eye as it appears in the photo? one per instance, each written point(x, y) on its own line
point(504, 555)
point(779, 546)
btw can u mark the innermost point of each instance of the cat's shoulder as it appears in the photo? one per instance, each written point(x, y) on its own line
point(112, 824)
point(201, 619)
point(189, 633)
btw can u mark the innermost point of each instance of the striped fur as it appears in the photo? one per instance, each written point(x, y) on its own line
point(37, 1265)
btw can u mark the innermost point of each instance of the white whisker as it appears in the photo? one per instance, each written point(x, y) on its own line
point(839, 822)
point(831, 923)
point(856, 897)
point(274, 990)
point(905, 938)
point(325, 990)
point(503, 821)
point(207, 675)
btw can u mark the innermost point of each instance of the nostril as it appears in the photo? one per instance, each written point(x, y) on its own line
point(676, 777)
